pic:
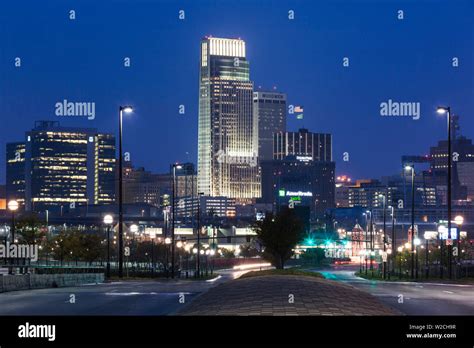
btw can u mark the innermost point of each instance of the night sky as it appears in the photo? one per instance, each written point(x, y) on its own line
point(82, 60)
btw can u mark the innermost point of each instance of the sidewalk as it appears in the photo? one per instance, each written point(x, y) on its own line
point(270, 295)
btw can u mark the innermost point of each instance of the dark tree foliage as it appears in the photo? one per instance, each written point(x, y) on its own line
point(279, 234)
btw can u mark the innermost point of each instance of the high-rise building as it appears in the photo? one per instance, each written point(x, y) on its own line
point(463, 155)
point(305, 183)
point(228, 129)
point(304, 145)
point(142, 186)
point(270, 109)
point(58, 165)
point(15, 185)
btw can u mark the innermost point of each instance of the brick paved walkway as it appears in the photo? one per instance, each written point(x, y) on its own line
point(270, 295)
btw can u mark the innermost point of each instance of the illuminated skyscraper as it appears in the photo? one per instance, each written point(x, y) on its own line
point(270, 108)
point(228, 129)
point(58, 166)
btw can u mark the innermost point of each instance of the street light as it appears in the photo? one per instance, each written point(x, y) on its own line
point(366, 237)
point(122, 109)
point(198, 265)
point(447, 110)
point(459, 220)
point(412, 169)
point(108, 220)
point(394, 247)
point(175, 166)
point(13, 207)
point(384, 264)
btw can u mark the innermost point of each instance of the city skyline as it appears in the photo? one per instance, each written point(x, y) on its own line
point(311, 82)
point(238, 159)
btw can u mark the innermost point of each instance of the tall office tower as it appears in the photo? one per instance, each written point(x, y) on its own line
point(270, 109)
point(228, 130)
point(304, 145)
point(15, 185)
point(57, 166)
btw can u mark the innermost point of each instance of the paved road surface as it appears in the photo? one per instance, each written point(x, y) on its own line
point(283, 295)
point(116, 298)
point(418, 298)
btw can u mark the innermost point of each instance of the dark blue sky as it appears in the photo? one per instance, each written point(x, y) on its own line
point(82, 60)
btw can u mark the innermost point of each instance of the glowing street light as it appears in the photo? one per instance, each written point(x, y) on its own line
point(447, 110)
point(13, 207)
point(108, 221)
point(122, 109)
point(459, 220)
point(173, 204)
point(412, 169)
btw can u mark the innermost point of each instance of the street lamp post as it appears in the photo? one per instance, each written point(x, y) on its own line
point(427, 267)
point(394, 244)
point(417, 243)
point(412, 169)
point(199, 234)
point(447, 110)
point(384, 264)
point(167, 243)
point(458, 220)
point(12, 206)
point(173, 203)
point(367, 238)
point(122, 109)
point(108, 220)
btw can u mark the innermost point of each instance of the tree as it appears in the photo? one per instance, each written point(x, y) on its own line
point(279, 234)
point(91, 248)
point(248, 250)
point(227, 253)
point(313, 256)
point(30, 229)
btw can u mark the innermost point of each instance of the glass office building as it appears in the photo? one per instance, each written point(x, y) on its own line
point(62, 166)
point(270, 109)
point(228, 130)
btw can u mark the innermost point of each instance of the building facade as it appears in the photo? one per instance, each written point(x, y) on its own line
point(304, 145)
point(15, 176)
point(228, 130)
point(270, 109)
point(58, 166)
point(299, 183)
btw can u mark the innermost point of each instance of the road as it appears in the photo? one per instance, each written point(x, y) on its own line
point(115, 298)
point(434, 298)
point(163, 297)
